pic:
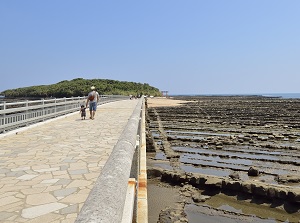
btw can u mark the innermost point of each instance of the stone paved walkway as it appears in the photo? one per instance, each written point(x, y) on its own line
point(47, 171)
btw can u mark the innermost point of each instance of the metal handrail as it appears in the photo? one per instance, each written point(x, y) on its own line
point(14, 115)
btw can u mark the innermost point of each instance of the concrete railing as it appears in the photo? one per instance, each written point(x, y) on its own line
point(14, 115)
point(120, 192)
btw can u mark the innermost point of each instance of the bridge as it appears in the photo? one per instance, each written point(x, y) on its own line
point(55, 167)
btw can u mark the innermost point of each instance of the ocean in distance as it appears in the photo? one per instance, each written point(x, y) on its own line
point(279, 95)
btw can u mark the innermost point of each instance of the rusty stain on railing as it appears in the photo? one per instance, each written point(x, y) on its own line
point(128, 207)
point(142, 202)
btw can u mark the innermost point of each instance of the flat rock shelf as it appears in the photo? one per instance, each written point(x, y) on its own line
point(232, 158)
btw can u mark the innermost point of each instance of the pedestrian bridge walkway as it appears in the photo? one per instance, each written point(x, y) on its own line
point(53, 171)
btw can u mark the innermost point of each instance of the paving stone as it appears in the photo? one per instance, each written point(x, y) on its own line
point(61, 172)
point(11, 187)
point(8, 200)
point(47, 170)
point(53, 188)
point(13, 207)
point(10, 180)
point(27, 177)
point(21, 168)
point(91, 176)
point(15, 173)
point(77, 172)
point(74, 198)
point(50, 181)
point(44, 176)
point(3, 170)
point(79, 183)
point(8, 194)
point(77, 177)
point(19, 195)
point(68, 161)
point(64, 167)
point(28, 182)
point(33, 190)
point(70, 209)
point(69, 220)
point(11, 219)
point(64, 192)
point(5, 215)
point(40, 210)
point(84, 191)
point(63, 182)
point(78, 165)
point(47, 218)
point(38, 199)
point(38, 167)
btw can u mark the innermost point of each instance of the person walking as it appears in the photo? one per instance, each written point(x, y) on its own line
point(92, 100)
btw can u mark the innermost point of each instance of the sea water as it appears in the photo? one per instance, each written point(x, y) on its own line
point(283, 95)
point(279, 95)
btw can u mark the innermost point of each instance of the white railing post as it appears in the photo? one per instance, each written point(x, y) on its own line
point(55, 103)
point(43, 110)
point(65, 104)
point(27, 110)
point(4, 116)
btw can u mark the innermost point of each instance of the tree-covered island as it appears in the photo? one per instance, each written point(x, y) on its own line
point(81, 87)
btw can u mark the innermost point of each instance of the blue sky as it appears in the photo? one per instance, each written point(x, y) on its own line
point(183, 46)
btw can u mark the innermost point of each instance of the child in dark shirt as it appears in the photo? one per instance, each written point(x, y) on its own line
point(82, 112)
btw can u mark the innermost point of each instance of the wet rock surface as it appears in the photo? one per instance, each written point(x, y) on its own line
point(228, 146)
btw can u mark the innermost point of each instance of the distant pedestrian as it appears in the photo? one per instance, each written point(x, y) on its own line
point(82, 112)
point(92, 100)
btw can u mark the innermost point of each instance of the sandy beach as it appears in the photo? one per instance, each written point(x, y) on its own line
point(164, 102)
